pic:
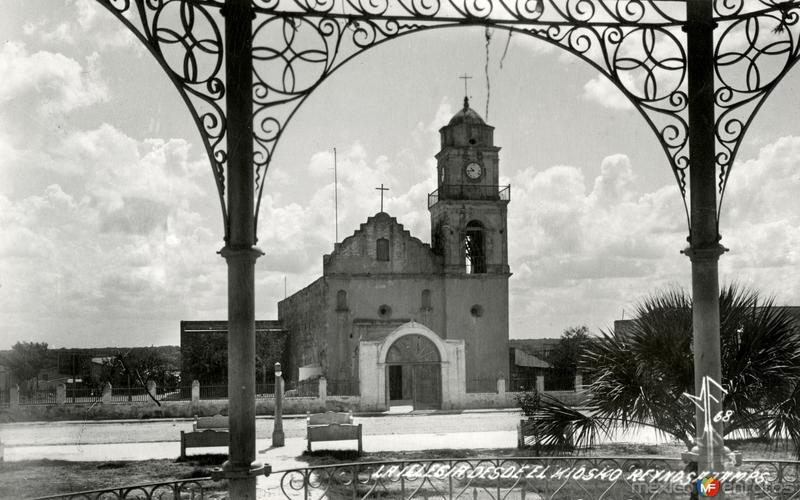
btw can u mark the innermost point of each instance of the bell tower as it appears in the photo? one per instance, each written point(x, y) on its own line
point(470, 233)
point(469, 208)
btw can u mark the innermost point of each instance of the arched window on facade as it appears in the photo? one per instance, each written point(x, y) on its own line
point(382, 249)
point(474, 248)
point(341, 300)
point(426, 300)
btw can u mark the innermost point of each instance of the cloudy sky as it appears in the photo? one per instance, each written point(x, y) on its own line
point(110, 224)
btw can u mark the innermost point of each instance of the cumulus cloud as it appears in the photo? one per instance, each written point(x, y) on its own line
point(59, 84)
point(530, 44)
point(760, 221)
point(87, 22)
point(601, 91)
point(121, 238)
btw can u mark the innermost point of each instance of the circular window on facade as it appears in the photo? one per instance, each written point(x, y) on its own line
point(384, 312)
point(476, 310)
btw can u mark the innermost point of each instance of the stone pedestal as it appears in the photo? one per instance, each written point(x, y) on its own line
point(61, 394)
point(501, 385)
point(107, 394)
point(151, 387)
point(13, 396)
point(323, 389)
point(277, 431)
point(195, 392)
point(539, 383)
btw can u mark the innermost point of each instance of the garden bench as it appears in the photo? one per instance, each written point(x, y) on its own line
point(332, 426)
point(206, 432)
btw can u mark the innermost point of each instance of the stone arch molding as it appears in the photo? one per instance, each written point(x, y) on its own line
point(372, 367)
point(638, 45)
point(412, 328)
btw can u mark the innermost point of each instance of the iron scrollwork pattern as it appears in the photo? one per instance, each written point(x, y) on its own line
point(755, 49)
point(185, 37)
point(187, 488)
point(597, 478)
point(637, 44)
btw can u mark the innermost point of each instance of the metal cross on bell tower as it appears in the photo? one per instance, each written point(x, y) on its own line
point(465, 77)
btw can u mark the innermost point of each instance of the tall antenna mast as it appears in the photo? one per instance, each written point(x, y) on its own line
point(335, 197)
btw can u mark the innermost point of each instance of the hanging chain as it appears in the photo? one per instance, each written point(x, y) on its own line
point(488, 33)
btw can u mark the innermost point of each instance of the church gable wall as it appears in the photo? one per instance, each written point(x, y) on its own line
point(360, 253)
point(303, 315)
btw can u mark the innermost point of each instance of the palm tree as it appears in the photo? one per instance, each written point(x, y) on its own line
point(640, 373)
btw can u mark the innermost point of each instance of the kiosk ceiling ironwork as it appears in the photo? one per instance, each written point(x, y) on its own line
point(639, 45)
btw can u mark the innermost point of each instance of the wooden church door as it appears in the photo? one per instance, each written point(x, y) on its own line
point(414, 373)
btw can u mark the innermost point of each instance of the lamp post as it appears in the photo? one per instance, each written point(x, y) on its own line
point(277, 432)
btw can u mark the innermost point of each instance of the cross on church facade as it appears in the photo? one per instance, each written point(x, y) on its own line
point(382, 189)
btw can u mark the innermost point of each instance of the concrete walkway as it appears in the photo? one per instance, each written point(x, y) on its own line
point(285, 457)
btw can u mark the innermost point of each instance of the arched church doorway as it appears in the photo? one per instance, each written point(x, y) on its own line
point(414, 373)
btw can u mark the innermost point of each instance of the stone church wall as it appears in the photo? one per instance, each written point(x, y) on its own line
point(477, 312)
point(375, 306)
point(303, 315)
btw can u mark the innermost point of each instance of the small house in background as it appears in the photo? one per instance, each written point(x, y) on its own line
point(527, 361)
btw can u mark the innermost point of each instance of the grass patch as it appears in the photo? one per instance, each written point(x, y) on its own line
point(35, 478)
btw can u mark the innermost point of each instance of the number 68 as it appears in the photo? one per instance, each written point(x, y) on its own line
point(723, 417)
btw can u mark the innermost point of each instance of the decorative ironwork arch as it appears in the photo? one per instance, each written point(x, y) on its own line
point(413, 348)
point(637, 44)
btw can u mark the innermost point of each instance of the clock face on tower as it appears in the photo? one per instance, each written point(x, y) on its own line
point(473, 170)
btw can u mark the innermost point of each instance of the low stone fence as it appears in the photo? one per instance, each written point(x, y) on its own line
point(309, 396)
point(502, 399)
point(107, 407)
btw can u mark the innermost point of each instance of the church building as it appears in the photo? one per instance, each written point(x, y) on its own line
point(402, 322)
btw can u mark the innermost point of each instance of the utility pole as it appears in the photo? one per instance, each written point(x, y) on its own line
point(335, 197)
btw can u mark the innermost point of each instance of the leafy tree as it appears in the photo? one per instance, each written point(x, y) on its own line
point(566, 355)
point(154, 364)
point(640, 373)
point(206, 359)
point(269, 350)
point(27, 359)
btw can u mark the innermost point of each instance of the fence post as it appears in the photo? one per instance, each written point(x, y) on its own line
point(107, 393)
point(13, 396)
point(61, 394)
point(323, 389)
point(151, 388)
point(195, 392)
point(578, 381)
point(539, 383)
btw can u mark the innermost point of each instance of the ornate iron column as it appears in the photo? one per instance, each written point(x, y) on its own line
point(240, 252)
point(704, 248)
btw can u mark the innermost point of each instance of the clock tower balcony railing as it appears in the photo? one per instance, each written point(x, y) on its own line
point(480, 192)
